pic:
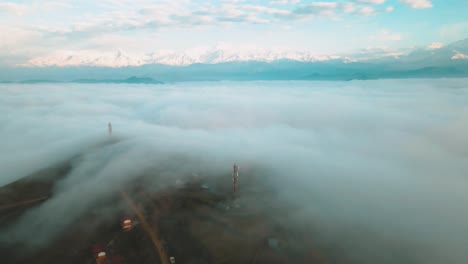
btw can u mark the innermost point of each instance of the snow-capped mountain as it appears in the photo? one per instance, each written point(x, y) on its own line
point(87, 58)
point(427, 56)
point(459, 56)
point(434, 61)
point(441, 55)
point(174, 58)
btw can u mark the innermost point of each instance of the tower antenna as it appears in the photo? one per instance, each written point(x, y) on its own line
point(235, 179)
point(109, 127)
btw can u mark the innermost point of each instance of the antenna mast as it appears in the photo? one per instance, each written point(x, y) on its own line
point(235, 178)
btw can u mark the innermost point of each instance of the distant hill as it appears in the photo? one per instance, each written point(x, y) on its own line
point(454, 54)
point(236, 71)
point(425, 72)
point(128, 80)
point(134, 80)
point(39, 81)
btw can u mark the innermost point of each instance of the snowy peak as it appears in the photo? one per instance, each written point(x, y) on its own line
point(86, 58)
point(174, 58)
point(437, 55)
point(459, 56)
point(434, 54)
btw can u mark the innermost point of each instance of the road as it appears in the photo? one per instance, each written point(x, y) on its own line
point(148, 228)
point(22, 203)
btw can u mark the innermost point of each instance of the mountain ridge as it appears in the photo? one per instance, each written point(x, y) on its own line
point(452, 51)
point(447, 61)
point(130, 80)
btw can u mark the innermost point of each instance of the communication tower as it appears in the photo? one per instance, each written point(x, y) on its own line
point(235, 178)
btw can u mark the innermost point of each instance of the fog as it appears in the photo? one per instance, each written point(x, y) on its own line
point(389, 157)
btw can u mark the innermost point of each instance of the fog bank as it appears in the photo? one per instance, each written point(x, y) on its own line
point(389, 157)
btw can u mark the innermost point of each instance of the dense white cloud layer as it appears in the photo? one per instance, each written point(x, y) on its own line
point(388, 157)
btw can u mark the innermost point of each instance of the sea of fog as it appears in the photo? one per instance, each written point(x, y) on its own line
point(386, 156)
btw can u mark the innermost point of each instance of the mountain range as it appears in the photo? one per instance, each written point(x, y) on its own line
point(174, 58)
point(223, 64)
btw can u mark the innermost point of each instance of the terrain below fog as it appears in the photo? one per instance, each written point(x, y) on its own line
point(360, 171)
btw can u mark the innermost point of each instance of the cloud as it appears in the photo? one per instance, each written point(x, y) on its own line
point(377, 52)
point(284, 2)
point(454, 31)
point(12, 49)
point(417, 3)
point(313, 9)
point(323, 4)
point(367, 11)
point(61, 25)
point(16, 9)
point(348, 7)
point(363, 10)
point(15, 35)
point(157, 16)
point(377, 165)
point(13, 8)
point(279, 2)
point(435, 45)
point(371, 1)
point(385, 36)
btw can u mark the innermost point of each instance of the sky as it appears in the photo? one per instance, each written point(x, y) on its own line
point(32, 28)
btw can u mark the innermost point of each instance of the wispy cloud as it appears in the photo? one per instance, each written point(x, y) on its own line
point(38, 26)
point(284, 2)
point(385, 36)
point(367, 11)
point(21, 9)
point(418, 3)
point(314, 9)
point(455, 30)
point(13, 8)
point(371, 1)
point(177, 15)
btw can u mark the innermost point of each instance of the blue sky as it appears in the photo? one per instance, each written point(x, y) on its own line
point(37, 28)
